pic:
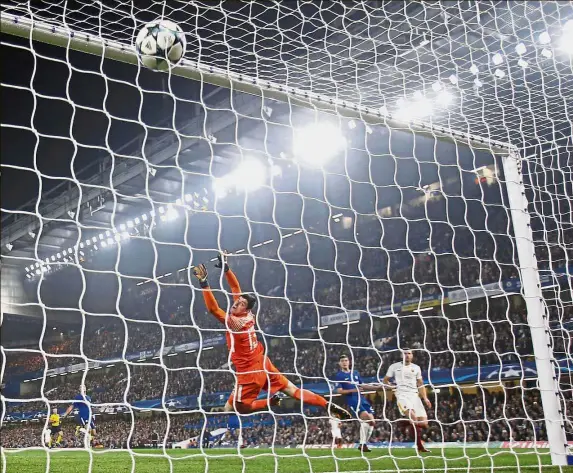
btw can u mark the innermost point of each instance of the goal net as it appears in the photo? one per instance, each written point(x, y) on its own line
point(387, 178)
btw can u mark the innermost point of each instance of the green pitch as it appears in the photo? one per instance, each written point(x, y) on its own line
point(282, 460)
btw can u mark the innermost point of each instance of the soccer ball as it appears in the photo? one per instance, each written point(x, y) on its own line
point(160, 44)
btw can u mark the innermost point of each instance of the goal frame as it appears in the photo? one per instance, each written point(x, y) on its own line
point(537, 318)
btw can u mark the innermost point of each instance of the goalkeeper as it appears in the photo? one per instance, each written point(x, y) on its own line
point(255, 371)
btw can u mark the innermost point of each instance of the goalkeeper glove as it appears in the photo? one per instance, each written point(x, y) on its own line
point(200, 273)
point(222, 261)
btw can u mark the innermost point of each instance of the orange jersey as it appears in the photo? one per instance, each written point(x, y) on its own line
point(247, 353)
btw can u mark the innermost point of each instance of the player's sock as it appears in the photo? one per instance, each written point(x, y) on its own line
point(310, 398)
point(419, 443)
point(363, 433)
point(50, 442)
point(59, 439)
point(369, 433)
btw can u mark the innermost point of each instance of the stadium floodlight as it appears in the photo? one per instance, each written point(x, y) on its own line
point(88, 242)
point(444, 98)
point(474, 69)
point(523, 63)
point(220, 188)
point(249, 175)
point(497, 59)
point(38, 272)
point(9, 246)
point(81, 244)
point(453, 79)
point(171, 213)
point(107, 233)
point(59, 255)
point(478, 83)
point(117, 237)
point(122, 227)
point(103, 244)
point(161, 210)
point(144, 217)
point(110, 241)
point(566, 41)
point(544, 38)
point(417, 109)
point(136, 221)
point(437, 86)
point(546, 53)
point(520, 49)
point(129, 224)
point(317, 143)
point(101, 236)
point(178, 202)
point(188, 197)
point(499, 73)
point(94, 240)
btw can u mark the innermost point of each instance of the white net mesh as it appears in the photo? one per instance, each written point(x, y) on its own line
point(400, 240)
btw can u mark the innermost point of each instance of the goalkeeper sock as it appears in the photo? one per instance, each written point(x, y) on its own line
point(309, 397)
point(59, 439)
point(50, 442)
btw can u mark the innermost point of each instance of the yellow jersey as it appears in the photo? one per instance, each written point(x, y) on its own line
point(55, 420)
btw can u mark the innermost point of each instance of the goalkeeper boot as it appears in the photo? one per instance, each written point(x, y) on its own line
point(422, 449)
point(338, 411)
point(364, 448)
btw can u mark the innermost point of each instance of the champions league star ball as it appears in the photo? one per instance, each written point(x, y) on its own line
point(160, 44)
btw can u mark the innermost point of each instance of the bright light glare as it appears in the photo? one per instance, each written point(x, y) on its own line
point(520, 49)
point(453, 79)
point(444, 98)
point(497, 59)
point(546, 53)
point(249, 176)
point(171, 213)
point(544, 38)
point(220, 188)
point(566, 42)
point(318, 143)
point(436, 86)
point(416, 109)
point(523, 63)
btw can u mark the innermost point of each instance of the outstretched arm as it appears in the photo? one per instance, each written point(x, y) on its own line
point(200, 272)
point(233, 284)
point(234, 323)
point(231, 278)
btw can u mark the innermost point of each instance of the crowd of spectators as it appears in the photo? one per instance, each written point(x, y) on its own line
point(513, 413)
point(487, 331)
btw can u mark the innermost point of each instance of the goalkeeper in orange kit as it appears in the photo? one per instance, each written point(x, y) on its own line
point(255, 371)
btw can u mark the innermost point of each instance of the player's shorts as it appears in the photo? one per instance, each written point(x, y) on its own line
point(86, 423)
point(55, 429)
point(411, 403)
point(268, 379)
point(362, 406)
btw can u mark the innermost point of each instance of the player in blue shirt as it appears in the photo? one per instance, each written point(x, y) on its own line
point(84, 418)
point(350, 385)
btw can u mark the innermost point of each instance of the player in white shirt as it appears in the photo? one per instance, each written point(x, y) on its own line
point(336, 432)
point(410, 392)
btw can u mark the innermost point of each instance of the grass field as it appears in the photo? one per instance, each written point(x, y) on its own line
point(283, 460)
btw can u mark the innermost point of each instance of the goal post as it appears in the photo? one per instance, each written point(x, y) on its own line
point(508, 156)
point(537, 319)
